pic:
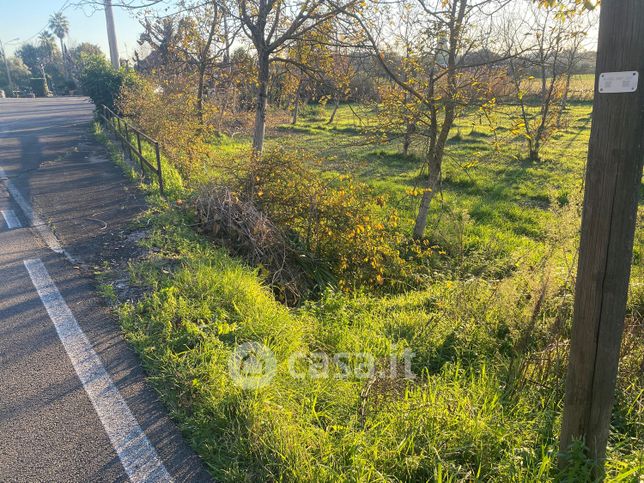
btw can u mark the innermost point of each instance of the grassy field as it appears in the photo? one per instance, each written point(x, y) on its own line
point(502, 202)
point(488, 330)
point(581, 86)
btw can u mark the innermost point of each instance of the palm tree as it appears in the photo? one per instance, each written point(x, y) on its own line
point(60, 27)
point(46, 40)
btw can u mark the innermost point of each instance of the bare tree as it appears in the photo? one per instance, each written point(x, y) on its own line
point(198, 38)
point(443, 83)
point(272, 25)
point(571, 57)
point(546, 43)
point(340, 79)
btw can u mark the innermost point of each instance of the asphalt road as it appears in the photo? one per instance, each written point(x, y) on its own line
point(74, 403)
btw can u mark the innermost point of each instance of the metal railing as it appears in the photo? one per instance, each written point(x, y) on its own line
point(130, 139)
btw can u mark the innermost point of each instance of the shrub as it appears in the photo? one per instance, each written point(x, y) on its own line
point(101, 82)
point(166, 110)
point(342, 232)
point(39, 87)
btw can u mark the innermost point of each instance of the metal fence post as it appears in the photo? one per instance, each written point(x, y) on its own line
point(120, 132)
point(138, 144)
point(158, 155)
point(127, 142)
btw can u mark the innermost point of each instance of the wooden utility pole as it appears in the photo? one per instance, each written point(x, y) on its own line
point(613, 177)
point(111, 34)
point(6, 65)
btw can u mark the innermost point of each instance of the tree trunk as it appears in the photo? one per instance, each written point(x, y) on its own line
point(335, 110)
point(436, 152)
point(431, 186)
point(62, 53)
point(409, 131)
point(533, 150)
point(296, 109)
point(262, 101)
point(434, 165)
point(564, 99)
point(534, 155)
point(46, 89)
point(203, 66)
point(544, 80)
point(296, 103)
point(535, 147)
point(200, 93)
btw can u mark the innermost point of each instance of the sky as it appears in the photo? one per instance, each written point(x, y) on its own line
point(25, 19)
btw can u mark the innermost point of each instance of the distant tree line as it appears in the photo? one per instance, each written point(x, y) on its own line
point(58, 64)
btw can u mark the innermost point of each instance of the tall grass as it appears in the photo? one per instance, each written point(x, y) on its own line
point(465, 416)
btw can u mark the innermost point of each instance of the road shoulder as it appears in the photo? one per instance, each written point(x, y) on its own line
point(90, 205)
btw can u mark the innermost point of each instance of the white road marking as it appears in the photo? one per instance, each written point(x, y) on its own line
point(135, 451)
point(32, 129)
point(34, 220)
point(10, 219)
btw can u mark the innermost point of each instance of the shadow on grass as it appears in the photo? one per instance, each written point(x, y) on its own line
point(477, 139)
point(391, 162)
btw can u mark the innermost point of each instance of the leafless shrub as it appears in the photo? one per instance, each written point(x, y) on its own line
point(247, 232)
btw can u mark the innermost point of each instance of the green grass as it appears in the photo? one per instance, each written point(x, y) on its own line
point(486, 402)
point(512, 203)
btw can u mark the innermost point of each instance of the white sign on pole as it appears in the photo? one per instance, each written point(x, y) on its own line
point(617, 82)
